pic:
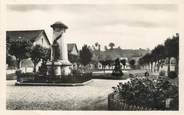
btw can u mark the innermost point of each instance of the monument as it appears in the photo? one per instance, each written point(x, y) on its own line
point(59, 64)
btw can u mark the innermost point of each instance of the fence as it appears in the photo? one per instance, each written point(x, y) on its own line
point(117, 104)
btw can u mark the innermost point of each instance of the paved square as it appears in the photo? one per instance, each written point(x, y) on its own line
point(92, 96)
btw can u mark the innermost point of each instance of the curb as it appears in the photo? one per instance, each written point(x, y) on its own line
point(53, 84)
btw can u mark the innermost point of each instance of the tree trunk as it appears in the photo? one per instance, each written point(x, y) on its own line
point(154, 66)
point(18, 63)
point(103, 68)
point(151, 66)
point(177, 65)
point(34, 68)
point(168, 67)
point(158, 69)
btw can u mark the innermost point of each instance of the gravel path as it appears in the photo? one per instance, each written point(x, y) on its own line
point(92, 96)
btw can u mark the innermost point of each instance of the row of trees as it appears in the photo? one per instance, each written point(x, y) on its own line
point(162, 52)
point(123, 62)
point(23, 49)
point(86, 56)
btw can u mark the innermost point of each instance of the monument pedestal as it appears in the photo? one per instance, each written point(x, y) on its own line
point(58, 68)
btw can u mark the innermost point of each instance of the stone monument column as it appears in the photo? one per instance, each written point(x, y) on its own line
point(59, 53)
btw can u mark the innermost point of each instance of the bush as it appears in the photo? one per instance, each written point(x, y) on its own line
point(148, 93)
point(162, 73)
point(172, 75)
point(146, 74)
point(22, 77)
point(108, 76)
point(117, 70)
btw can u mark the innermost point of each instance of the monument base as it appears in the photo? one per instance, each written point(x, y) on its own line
point(58, 68)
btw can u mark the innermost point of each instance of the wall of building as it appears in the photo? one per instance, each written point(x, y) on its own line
point(74, 51)
point(41, 40)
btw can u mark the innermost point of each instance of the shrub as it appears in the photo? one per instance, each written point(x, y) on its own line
point(146, 74)
point(117, 70)
point(172, 75)
point(22, 77)
point(162, 73)
point(18, 74)
point(147, 93)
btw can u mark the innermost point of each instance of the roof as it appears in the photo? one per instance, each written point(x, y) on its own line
point(25, 34)
point(70, 47)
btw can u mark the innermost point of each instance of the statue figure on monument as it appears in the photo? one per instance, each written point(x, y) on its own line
point(55, 49)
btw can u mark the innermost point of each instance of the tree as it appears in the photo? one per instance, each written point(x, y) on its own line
point(97, 46)
point(85, 55)
point(105, 48)
point(104, 64)
point(11, 61)
point(168, 51)
point(176, 50)
point(36, 55)
point(73, 58)
point(47, 55)
point(111, 45)
point(132, 63)
point(159, 55)
point(123, 61)
point(21, 49)
point(117, 69)
point(8, 57)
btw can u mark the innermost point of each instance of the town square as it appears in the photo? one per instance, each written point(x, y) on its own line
point(92, 57)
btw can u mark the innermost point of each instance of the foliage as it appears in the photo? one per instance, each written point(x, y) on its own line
point(172, 74)
point(73, 58)
point(132, 63)
point(85, 55)
point(46, 55)
point(162, 73)
point(36, 55)
point(161, 52)
point(147, 93)
point(106, 63)
point(111, 45)
point(105, 48)
point(117, 70)
point(21, 49)
point(98, 46)
point(11, 61)
point(123, 61)
point(7, 49)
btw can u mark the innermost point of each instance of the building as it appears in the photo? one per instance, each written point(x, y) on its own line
point(37, 37)
point(72, 49)
point(73, 54)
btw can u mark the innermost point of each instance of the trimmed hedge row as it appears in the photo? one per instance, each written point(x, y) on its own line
point(37, 78)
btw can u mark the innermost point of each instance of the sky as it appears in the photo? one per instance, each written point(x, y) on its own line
point(130, 26)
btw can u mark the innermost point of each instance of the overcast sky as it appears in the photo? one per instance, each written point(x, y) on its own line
point(128, 26)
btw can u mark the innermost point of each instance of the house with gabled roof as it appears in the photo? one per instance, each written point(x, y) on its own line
point(73, 54)
point(37, 37)
point(72, 49)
